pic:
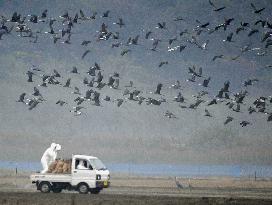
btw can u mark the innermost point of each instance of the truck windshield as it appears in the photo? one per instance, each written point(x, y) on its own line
point(97, 164)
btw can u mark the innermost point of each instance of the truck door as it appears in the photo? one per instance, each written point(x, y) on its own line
point(82, 172)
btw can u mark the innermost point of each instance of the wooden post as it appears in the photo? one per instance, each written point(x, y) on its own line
point(16, 171)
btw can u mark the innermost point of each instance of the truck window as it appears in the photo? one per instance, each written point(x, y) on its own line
point(97, 164)
point(81, 164)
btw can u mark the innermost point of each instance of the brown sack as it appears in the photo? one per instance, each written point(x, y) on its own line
point(52, 166)
point(67, 166)
point(59, 167)
point(70, 166)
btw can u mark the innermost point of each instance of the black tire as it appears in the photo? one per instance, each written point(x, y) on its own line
point(95, 191)
point(45, 187)
point(83, 188)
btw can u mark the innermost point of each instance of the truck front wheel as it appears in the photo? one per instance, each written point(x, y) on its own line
point(45, 187)
point(83, 188)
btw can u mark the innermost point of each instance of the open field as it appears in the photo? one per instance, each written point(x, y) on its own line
point(144, 190)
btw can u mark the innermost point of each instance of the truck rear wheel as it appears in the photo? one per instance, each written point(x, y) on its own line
point(83, 188)
point(45, 187)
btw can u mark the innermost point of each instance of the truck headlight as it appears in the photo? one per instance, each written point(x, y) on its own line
point(98, 177)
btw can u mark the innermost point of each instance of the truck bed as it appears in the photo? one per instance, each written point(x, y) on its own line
point(51, 177)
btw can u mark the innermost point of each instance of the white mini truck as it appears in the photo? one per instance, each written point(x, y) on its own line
point(92, 179)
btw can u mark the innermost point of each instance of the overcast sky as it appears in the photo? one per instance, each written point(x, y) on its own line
point(133, 132)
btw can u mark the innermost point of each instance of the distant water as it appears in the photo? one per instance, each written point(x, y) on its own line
point(165, 169)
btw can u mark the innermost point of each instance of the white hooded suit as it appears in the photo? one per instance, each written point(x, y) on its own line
point(49, 156)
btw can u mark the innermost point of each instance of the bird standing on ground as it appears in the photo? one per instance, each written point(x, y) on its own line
point(178, 184)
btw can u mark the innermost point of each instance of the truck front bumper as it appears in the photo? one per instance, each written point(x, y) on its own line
point(106, 184)
point(100, 184)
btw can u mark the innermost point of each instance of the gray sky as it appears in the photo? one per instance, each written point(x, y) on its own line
point(132, 132)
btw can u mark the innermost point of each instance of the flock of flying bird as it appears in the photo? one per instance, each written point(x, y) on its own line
point(95, 82)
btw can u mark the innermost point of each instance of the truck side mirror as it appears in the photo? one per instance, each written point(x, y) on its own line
point(90, 167)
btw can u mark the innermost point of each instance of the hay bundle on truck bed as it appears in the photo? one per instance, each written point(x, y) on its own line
point(60, 166)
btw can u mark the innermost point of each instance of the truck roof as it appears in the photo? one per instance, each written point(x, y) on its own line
point(84, 156)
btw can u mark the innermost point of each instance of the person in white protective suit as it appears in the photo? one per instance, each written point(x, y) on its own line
point(81, 165)
point(49, 156)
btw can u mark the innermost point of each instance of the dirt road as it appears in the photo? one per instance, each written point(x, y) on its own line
point(140, 195)
point(113, 196)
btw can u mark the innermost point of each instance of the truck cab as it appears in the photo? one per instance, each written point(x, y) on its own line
point(88, 174)
point(93, 164)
